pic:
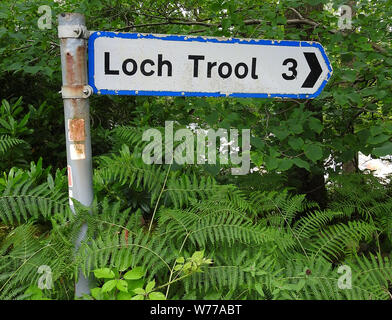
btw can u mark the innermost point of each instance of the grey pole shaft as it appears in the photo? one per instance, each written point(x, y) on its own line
point(73, 47)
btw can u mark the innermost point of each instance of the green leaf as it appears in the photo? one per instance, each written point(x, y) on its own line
point(281, 133)
point(103, 273)
point(271, 163)
point(285, 164)
point(156, 296)
point(5, 124)
point(301, 163)
point(259, 289)
point(134, 274)
point(256, 157)
point(125, 264)
point(138, 297)
point(122, 285)
point(139, 291)
point(96, 293)
point(124, 296)
point(301, 283)
point(109, 286)
point(257, 142)
point(349, 75)
point(376, 130)
point(132, 284)
point(296, 128)
point(384, 150)
point(150, 286)
point(197, 255)
point(281, 20)
point(313, 152)
point(378, 139)
point(316, 125)
point(180, 260)
point(296, 143)
point(35, 292)
point(355, 97)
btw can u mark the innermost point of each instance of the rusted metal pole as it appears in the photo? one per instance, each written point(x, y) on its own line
point(75, 92)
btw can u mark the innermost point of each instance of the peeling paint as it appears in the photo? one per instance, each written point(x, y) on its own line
point(70, 182)
point(76, 130)
point(77, 151)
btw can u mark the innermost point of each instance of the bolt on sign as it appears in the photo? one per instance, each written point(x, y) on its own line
point(173, 65)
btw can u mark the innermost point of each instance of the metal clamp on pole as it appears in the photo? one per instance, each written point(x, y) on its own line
point(76, 92)
point(72, 31)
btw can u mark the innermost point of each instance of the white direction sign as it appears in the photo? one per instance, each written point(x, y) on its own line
point(172, 65)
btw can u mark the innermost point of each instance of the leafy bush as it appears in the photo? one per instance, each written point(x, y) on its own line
point(284, 231)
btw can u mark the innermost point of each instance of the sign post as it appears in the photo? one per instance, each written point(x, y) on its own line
point(75, 92)
point(170, 65)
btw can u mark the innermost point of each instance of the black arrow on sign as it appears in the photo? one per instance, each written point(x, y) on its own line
point(315, 70)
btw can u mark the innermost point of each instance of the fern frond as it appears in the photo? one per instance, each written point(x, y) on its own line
point(129, 170)
point(128, 135)
point(7, 143)
point(321, 282)
point(181, 190)
point(23, 200)
point(279, 207)
point(374, 273)
point(119, 251)
point(221, 224)
point(236, 269)
point(23, 252)
point(307, 226)
point(341, 239)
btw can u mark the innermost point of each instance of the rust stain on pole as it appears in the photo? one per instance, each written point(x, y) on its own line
point(75, 66)
point(79, 148)
point(81, 63)
point(69, 68)
point(76, 129)
point(77, 151)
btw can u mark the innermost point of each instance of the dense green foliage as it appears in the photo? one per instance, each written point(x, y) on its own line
point(196, 231)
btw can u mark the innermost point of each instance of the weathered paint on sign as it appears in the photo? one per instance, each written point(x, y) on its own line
point(171, 65)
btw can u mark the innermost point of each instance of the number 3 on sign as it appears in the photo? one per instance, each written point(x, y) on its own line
point(293, 69)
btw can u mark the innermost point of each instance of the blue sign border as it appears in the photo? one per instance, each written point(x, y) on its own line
point(281, 43)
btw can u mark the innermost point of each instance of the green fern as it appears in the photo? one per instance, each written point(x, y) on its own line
point(341, 239)
point(23, 252)
point(22, 200)
point(7, 143)
point(308, 226)
point(182, 189)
